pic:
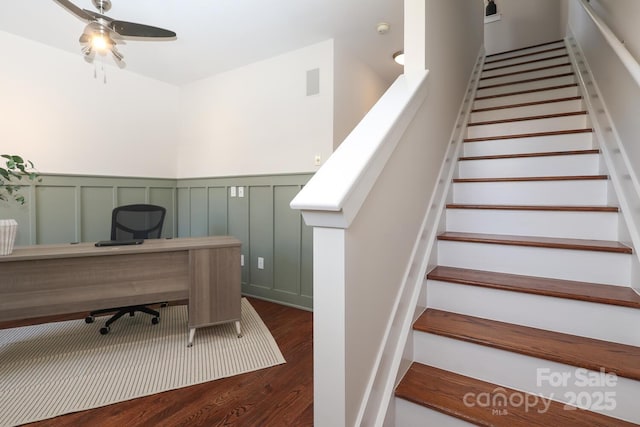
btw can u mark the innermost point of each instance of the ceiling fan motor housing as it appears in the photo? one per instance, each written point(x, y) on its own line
point(102, 5)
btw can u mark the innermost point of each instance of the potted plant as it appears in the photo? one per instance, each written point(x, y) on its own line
point(14, 170)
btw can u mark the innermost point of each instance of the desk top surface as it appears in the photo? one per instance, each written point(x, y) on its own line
point(68, 250)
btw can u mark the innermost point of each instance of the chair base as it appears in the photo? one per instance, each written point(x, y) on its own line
point(121, 311)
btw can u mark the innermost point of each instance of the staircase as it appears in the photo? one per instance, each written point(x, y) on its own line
point(530, 317)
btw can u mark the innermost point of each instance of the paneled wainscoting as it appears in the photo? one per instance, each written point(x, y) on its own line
point(77, 208)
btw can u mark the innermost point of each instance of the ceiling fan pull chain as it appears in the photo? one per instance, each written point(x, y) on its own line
point(104, 73)
point(95, 70)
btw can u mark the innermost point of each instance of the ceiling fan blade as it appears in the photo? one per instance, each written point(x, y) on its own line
point(131, 29)
point(95, 15)
point(80, 13)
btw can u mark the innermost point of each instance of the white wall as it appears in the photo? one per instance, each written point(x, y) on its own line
point(356, 88)
point(524, 23)
point(258, 119)
point(55, 113)
point(253, 120)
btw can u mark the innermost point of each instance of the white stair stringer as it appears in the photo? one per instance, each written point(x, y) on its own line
point(568, 316)
point(568, 264)
point(541, 223)
point(523, 373)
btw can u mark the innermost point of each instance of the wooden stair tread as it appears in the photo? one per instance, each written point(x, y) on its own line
point(524, 48)
point(582, 291)
point(568, 208)
point(525, 155)
point(573, 350)
point(533, 61)
point(531, 70)
point(538, 242)
point(534, 178)
point(523, 92)
point(529, 135)
point(536, 79)
point(527, 118)
point(527, 104)
point(445, 392)
point(524, 55)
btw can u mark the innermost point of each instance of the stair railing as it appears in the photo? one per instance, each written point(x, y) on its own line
point(618, 47)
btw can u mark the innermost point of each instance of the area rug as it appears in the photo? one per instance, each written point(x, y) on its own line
point(57, 368)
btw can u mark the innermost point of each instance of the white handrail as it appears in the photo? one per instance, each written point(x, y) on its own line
point(618, 47)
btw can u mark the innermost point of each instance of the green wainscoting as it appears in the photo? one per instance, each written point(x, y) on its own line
point(74, 208)
point(262, 219)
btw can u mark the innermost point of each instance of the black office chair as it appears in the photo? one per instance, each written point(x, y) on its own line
point(128, 222)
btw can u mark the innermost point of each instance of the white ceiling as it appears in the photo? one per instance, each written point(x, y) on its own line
point(220, 35)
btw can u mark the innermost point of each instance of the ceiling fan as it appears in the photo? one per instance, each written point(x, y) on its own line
point(102, 34)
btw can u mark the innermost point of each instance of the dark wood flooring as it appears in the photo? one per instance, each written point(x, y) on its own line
point(278, 396)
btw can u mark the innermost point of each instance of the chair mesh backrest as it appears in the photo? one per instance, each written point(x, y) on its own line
point(137, 222)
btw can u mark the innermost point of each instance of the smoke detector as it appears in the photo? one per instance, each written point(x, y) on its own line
point(383, 28)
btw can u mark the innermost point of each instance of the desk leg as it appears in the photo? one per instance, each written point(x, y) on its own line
point(192, 333)
point(238, 329)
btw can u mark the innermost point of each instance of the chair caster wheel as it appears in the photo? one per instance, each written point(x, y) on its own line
point(105, 330)
point(89, 319)
point(155, 320)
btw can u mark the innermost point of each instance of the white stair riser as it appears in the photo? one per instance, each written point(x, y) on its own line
point(528, 75)
point(528, 111)
point(586, 192)
point(492, 62)
point(411, 415)
point(526, 97)
point(584, 266)
point(524, 67)
point(586, 319)
point(528, 126)
point(517, 87)
point(536, 144)
point(525, 51)
point(521, 372)
point(570, 165)
point(570, 225)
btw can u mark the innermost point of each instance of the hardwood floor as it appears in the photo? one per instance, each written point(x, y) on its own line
point(277, 396)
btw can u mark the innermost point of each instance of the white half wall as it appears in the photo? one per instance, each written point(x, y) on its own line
point(356, 88)
point(258, 119)
point(53, 112)
point(524, 23)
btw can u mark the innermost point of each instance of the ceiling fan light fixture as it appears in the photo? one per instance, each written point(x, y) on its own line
point(399, 57)
point(100, 42)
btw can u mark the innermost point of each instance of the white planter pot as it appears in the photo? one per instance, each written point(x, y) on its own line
point(8, 230)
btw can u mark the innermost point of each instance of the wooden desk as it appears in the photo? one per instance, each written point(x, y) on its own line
point(45, 280)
